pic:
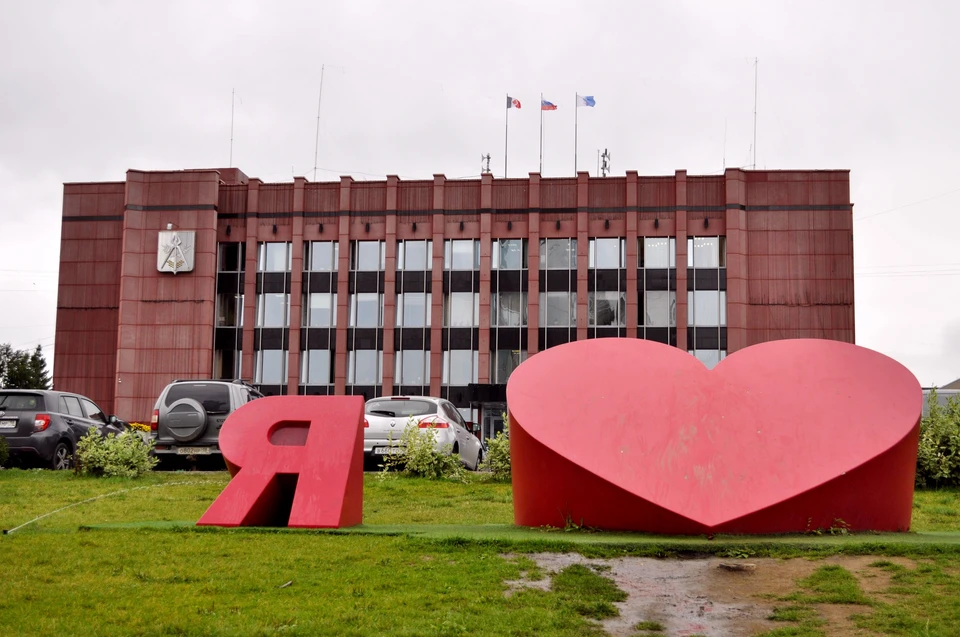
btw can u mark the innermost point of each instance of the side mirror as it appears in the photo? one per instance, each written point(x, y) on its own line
point(112, 420)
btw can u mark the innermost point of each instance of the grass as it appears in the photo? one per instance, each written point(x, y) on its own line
point(429, 560)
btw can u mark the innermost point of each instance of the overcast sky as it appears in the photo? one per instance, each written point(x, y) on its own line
point(90, 89)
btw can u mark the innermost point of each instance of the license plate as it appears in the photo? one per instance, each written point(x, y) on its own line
point(193, 451)
point(387, 451)
point(9, 423)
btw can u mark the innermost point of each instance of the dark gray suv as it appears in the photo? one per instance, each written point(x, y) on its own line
point(189, 413)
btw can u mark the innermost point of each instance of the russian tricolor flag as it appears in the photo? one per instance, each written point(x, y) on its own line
point(547, 106)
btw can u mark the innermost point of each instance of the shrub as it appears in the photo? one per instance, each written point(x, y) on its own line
point(4, 451)
point(498, 453)
point(938, 457)
point(126, 455)
point(139, 426)
point(420, 456)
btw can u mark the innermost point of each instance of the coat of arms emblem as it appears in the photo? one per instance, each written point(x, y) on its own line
point(175, 251)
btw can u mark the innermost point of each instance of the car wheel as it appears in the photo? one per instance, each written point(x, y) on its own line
point(479, 460)
point(62, 457)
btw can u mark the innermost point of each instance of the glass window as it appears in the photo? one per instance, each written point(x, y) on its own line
point(214, 397)
point(229, 310)
point(658, 252)
point(508, 309)
point(231, 257)
point(607, 308)
point(322, 256)
point(460, 366)
point(413, 309)
point(558, 254)
point(461, 309)
point(274, 257)
point(461, 254)
point(504, 361)
point(271, 367)
point(367, 256)
point(660, 309)
point(412, 367)
point(558, 309)
point(364, 367)
point(316, 367)
point(509, 254)
point(91, 411)
point(366, 309)
point(415, 255)
point(607, 254)
point(400, 408)
point(706, 252)
point(273, 310)
point(320, 309)
point(706, 308)
point(709, 357)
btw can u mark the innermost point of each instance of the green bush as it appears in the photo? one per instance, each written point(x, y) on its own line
point(4, 451)
point(938, 458)
point(498, 453)
point(126, 455)
point(420, 456)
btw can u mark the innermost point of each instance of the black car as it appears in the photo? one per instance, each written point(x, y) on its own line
point(44, 426)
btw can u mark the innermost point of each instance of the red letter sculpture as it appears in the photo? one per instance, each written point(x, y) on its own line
point(786, 436)
point(295, 461)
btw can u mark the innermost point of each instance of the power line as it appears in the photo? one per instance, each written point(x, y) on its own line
point(883, 212)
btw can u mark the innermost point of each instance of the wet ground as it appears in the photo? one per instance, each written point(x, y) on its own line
point(704, 597)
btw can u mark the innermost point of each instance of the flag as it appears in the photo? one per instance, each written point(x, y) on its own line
point(547, 106)
point(512, 102)
point(585, 100)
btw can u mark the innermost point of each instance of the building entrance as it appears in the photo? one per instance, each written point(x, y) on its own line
point(492, 419)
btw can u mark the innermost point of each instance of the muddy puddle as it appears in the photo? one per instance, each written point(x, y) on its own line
point(704, 597)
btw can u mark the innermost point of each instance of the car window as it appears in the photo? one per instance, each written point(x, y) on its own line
point(392, 408)
point(452, 414)
point(93, 412)
point(21, 402)
point(71, 405)
point(215, 397)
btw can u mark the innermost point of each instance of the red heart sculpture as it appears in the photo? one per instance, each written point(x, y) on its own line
point(785, 436)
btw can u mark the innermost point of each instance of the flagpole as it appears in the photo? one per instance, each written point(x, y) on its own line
point(541, 133)
point(506, 135)
point(576, 136)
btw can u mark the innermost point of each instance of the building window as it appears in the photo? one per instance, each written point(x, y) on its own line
point(608, 254)
point(509, 254)
point(707, 308)
point(461, 254)
point(415, 255)
point(413, 309)
point(226, 363)
point(367, 256)
point(607, 308)
point(461, 309)
point(365, 367)
point(229, 310)
point(316, 367)
point(460, 366)
point(274, 257)
point(412, 367)
point(558, 254)
point(706, 252)
point(558, 309)
point(508, 309)
point(660, 308)
point(322, 256)
point(273, 310)
point(658, 252)
point(366, 309)
point(504, 361)
point(709, 357)
point(320, 309)
point(230, 257)
point(271, 367)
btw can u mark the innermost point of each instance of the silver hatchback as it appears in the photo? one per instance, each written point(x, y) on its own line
point(385, 419)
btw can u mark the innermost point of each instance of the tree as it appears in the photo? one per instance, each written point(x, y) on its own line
point(19, 369)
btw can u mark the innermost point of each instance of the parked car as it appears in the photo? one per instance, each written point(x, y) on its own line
point(44, 425)
point(385, 419)
point(189, 413)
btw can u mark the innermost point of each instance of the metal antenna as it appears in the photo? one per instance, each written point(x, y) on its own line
point(233, 93)
point(756, 67)
point(485, 164)
point(605, 168)
point(316, 148)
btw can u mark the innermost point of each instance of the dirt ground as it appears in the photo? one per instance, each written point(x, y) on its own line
point(701, 597)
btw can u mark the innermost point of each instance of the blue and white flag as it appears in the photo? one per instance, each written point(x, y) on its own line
point(585, 100)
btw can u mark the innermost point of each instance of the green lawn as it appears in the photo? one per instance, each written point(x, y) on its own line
point(429, 560)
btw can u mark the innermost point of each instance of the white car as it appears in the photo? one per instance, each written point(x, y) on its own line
point(385, 419)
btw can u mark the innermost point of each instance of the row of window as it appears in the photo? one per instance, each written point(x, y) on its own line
point(464, 254)
point(462, 309)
